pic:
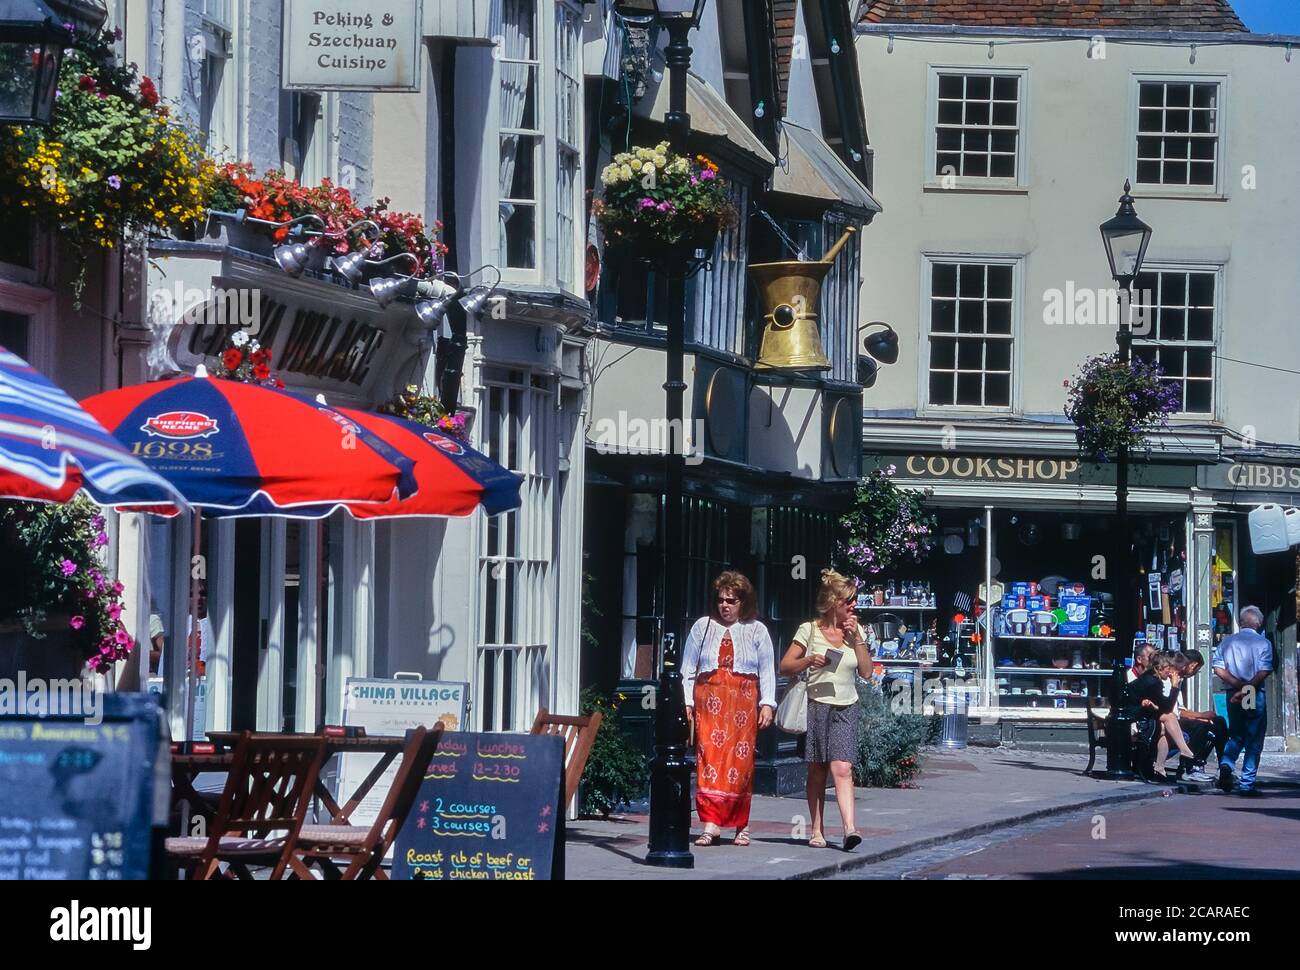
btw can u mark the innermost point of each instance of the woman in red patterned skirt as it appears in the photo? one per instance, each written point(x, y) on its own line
point(729, 676)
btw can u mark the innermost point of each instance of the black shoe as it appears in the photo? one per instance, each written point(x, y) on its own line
point(1225, 778)
point(1246, 792)
point(1185, 766)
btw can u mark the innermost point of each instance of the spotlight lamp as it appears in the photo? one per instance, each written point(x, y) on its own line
point(883, 346)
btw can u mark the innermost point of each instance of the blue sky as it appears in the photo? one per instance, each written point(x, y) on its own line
point(1269, 16)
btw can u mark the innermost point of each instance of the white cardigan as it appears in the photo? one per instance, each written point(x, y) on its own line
point(753, 655)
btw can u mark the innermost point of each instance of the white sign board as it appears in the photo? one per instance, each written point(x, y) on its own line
point(389, 708)
point(350, 45)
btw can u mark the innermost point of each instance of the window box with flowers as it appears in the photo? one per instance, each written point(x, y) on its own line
point(274, 197)
point(113, 161)
point(414, 405)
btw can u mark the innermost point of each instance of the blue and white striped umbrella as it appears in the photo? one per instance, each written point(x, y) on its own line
point(50, 447)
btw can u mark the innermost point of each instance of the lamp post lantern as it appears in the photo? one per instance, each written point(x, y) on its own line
point(670, 772)
point(1126, 238)
point(31, 49)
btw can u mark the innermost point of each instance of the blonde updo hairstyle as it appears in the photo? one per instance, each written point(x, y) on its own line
point(835, 589)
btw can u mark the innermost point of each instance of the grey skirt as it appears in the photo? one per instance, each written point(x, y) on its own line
point(832, 733)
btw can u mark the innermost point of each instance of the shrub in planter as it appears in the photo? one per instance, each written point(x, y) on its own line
point(54, 592)
point(616, 772)
point(1115, 405)
point(889, 743)
point(656, 198)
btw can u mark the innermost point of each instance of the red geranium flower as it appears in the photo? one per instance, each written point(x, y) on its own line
point(148, 91)
point(260, 356)
point(261, 372)
point(86, 82)
point(232, 358)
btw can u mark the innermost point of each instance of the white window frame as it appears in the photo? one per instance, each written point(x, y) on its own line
point(546, 272)
point(222, 40)
point(1016, 262)
point(1157, 189)
point(1217, 271)
point(532, 652)
point(975, 182)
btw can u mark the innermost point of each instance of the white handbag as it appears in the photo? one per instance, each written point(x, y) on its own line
point(792, 714)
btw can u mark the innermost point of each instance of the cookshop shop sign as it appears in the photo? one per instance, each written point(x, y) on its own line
point(1024, 470)
point(335, 45)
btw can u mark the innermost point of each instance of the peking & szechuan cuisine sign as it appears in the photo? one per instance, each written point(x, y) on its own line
point(351, 45)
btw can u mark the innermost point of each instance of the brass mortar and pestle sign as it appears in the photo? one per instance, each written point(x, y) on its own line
point(790, 294)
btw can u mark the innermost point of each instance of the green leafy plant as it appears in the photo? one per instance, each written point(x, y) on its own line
point(52, 571)
point(616, 772)
point(887, 525)
point(414, 405)
point(889, 743)
point(1115, 405)
point(655, 197)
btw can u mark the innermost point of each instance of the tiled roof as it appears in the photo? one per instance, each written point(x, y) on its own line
point(1178, 15)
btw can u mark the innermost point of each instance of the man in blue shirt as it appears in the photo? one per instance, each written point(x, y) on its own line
point(1242, 663)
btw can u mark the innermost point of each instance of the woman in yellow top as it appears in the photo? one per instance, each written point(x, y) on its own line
point(832, 649)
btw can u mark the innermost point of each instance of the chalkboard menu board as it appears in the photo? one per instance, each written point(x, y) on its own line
point(76, 797)
point(489, 810)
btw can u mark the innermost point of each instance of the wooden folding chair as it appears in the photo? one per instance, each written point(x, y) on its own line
point(579, 735)
point(362, 848)
point(261, 811)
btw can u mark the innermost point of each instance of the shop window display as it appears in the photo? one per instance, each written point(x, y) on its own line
point(1040, 640)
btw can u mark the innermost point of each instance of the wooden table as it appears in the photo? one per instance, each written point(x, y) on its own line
point(187, 767)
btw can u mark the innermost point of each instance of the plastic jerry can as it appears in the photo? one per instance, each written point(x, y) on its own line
point(1268, 529)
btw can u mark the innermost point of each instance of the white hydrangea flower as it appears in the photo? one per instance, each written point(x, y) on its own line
point(239, 338)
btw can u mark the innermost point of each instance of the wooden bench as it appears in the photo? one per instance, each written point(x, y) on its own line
point(1143, 754)
point(579, 735)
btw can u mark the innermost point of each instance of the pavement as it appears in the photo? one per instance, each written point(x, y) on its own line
point(959, 796)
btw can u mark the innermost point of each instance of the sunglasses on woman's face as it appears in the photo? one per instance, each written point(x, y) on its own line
point(729, 600)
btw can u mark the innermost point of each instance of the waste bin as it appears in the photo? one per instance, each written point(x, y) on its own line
point(956, 719)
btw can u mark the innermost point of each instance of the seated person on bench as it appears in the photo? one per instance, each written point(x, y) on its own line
point(1205, 731)
point(1146, 701)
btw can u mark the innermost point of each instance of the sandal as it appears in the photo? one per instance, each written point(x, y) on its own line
point(709, 839)
point(817, 842)
point(742, 839)
point(852, 841)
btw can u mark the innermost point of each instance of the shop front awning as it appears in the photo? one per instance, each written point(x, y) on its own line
point(810, 169)
point(710, 115)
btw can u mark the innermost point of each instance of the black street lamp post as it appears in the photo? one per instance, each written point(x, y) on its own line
point(670, 772)
point(1127, 238)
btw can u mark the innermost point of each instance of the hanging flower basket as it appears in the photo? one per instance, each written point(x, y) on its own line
point(886, 526)
point(59, 609)
point(113, 161)
point(1115, 405)
point(657, 202)
point(413, 405)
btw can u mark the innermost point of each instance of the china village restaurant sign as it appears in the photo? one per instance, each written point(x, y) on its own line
point(351, 45)
point(1025, 470)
